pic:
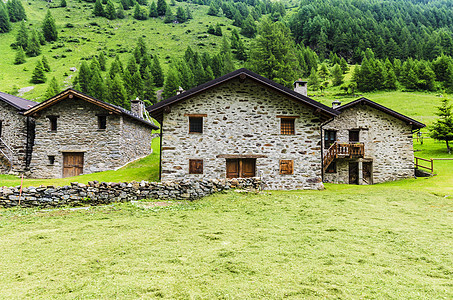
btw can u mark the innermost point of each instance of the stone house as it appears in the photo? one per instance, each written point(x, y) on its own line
point(78, 134)
point(368, 143)
point(16, 133)
point(244, 125)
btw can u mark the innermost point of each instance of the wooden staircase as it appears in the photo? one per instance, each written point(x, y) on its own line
point(6, 157)
point(342, 150)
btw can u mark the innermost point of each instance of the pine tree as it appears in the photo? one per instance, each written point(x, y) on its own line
point(217, 65)
point(98, 9)
point(22, 36)
point(140, 50)
point(313, 80)
point(186, 74)
point(153, 10)
point(172, 83)
point(213, 11)
point(126, 4)
point(20, 56)
point(344, 65)
point(272, 53)
point(16, 11)
point(117, 93)
point(63, 3)
point(145, 63)
point(5, 25)
point(148, 85)
point(324, 71)
point(188, 13)
point(110, 11)
point(38, 75)
point(102, 61)
point(442, 128)
point(156, 71)
point(169, 17)
point(248, 27)
point(337, 75)
point(96, 86)
point(49, 28)
point(218, 30)
point(52, 89)
point(132, 65)
point(45, 64)
point(127, 80)
point(120, 14)
point(227, 57)
point(33, 47)
point(84, 77)
point(116, 67)
point(137, 85)
point(139, 13)
point(181, 15)
point(161, 7)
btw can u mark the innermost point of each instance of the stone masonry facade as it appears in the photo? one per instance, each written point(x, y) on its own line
point(14, 134)
point(243, 118)
point(387, 144)
point(78, 131)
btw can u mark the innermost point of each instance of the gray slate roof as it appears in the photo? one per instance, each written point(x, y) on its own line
point(17, 102)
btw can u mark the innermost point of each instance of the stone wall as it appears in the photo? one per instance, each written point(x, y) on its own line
point(387, 141)
point(14, 134)
point(122, 141)
point(242, 120)
point(95, 193)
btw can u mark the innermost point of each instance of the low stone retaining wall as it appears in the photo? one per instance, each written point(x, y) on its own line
point(95, 193)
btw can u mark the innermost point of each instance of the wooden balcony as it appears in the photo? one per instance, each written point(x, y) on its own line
point(343, 150)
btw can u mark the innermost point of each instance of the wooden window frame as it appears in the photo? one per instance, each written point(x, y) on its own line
point(328, 142)
point(1, 128)
point(194, 169)
point(102, 122)
point(290, 163)
point(358, 135)
point(288, 126)
point(53, 124)
point(195, 128)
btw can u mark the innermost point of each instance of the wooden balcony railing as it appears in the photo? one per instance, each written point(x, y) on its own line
point(343, 150)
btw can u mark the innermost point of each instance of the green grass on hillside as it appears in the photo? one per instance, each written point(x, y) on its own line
point(345, 244)
point(85, 40)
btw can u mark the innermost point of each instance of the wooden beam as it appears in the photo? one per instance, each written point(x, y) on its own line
point(288, 117)
point(196, 115)
point(241, 156)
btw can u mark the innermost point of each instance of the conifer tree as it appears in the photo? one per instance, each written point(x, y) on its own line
point(313, 80)
point(96, 85)
point(172, 83)
point(120, 14)
point(213, 11)
point(33, 47)
point(131, 65)
point(49, 29)
point(227, 57)
point(161, 7)
point(127, 80)
point(98, 9)
point(156, 71)
point(84, 77)
point(116, 67)
point(442, 128)
point(22, 36)
point(110, 12)
point(169, 17)
point(248, 27)
point(20, 56)
point(188, 13)
point(63, 3)
point(102, 61)
point(337, 75)
point(344, 65)
point(217, 65)
point(140, 50)
point(38, 75)
point(16, 11)
point(218, 30)
point(148, 85)
point(5, 25)
point(181, 15)
point(45, 64)
point(117, 93)
point(137, 85)
point(126, 4)
point(52, 89)
point(145, 63)
point(153, 10)
point(186, 75)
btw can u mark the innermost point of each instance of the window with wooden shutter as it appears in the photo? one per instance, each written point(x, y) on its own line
point(195, 166)
point(287, 126)
point(286, 167)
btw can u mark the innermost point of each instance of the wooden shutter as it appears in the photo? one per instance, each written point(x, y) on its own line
point(195, 166)
point(232, 168)
point(286, 167)
point(248, 167)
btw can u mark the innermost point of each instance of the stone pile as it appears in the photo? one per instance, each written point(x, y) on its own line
point(97, 193)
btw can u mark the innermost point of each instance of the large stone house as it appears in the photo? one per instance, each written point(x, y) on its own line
point(244, 125)
point(16, 133)
point(72, 134)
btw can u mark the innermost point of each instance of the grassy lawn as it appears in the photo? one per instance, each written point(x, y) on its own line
point(343, 244)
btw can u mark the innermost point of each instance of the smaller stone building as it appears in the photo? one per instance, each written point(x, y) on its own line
point(78, 134)
point(16, 133)
point(368, 143)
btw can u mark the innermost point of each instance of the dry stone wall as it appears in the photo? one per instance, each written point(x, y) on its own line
point(242, 119)
point(95, 193)
point(387, 141)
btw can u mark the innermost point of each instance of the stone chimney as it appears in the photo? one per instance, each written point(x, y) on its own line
point(300, 87)
point(138, 107)
point(180, 90)
point(336, 103)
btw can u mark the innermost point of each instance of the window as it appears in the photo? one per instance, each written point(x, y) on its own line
point(1, 125)
point(53, 122)
point(287, 126)
point(51, 159)
point(330, 136)
point(286, 167)
point(354, 136)
point(195, 124)
point(102, 122)
point(195, 166)
point(332, 168)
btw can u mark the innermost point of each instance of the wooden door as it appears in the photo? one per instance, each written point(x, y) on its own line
point(240, 168)
point(248, 167)
point(72, 164)
point(353, 173)
point(367, 172)
point(232, 168)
